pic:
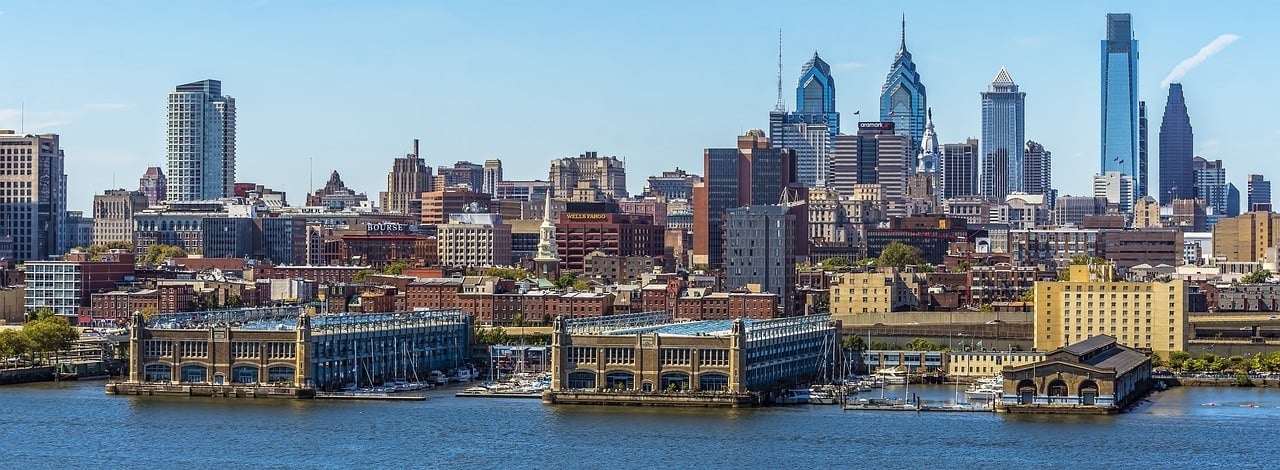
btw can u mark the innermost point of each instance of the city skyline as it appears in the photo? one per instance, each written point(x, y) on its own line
point(392, 80)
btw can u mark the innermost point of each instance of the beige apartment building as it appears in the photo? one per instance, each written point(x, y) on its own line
point(882, 291)
point(1245, 238)
point(474, 239)
point(1141, 315)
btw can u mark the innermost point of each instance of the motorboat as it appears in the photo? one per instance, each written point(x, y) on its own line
point(891, 376)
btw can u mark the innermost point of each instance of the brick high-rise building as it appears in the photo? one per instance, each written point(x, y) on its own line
point(754, 173)
point(113, 215)
point(155, 185)
point(607, 174)
point(409, 178)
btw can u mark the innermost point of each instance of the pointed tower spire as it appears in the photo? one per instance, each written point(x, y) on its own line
point(779, 107)
point(903, 45)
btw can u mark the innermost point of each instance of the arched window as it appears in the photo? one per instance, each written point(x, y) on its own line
point(713, 382)
point(673, 381)
point(1089, 392)
point(158, 373)
point(195, 374)
point(620, 380)
point(582, 380)
point(1057, 388)
point(280, 374)
point(244, 375)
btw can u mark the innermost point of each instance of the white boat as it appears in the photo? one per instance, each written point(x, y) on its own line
point(794, 396)
point(891, 376)
point(437, 378)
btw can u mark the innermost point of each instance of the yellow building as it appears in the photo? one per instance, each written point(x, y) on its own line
point(977, 364)
point(1142, 315)
point(1246, 237)
point(883, 291)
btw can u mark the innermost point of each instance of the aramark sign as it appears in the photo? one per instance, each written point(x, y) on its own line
point(887, 126)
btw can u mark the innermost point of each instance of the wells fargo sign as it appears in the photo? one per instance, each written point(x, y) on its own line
point(575, 216)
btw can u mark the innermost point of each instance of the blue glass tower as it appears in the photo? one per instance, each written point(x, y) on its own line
point(902, 99)
point(1003, 137)
point(1120, 99)
point(812, 128)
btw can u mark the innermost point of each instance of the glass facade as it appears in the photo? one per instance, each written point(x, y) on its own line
point(1120, 98)
point(201, 142)
point(812, 128)
point(1003, 135)
point(1177, 147)
point(903, 98)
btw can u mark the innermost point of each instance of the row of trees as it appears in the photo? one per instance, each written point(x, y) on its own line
point(158, 252)
point(1209, 362)
point(38, 340)
point(856, 343)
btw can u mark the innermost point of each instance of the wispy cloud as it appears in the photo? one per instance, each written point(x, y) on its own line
point(11, 118)
point(1209, 50)
point(107, 106)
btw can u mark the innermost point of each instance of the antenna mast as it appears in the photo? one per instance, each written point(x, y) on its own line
point(779, 107)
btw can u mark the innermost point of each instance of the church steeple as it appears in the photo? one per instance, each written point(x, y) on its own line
point(547, 261)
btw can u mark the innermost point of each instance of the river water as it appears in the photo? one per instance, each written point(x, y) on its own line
point(74, 424)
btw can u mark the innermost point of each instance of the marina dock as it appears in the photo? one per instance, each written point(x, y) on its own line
point(369, 396)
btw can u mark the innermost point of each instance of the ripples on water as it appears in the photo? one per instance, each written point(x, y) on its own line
point(76, 425)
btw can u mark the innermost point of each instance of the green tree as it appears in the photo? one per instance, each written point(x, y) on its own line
point(1256, 277)
point(879, 345)
point(1028, 295)
point(158, 252)
point(1177, 359)
point(834, 262)
point(1086, 259)
point(13, 345)
point(507, 273)
point(581, 285)
point(566, 280)
point(234, 301)
point(50, 333)
point(854, 343)
point(395, 268)
point(119, 245)
point(363, 275)
point(921, 344)
point(899, 255)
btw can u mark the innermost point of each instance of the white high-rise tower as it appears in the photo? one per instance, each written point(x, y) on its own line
point(202, 142)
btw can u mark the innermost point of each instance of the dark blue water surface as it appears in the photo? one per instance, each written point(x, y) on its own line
point(74, 424)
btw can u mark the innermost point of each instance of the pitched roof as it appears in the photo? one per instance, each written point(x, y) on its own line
point(1002, 77)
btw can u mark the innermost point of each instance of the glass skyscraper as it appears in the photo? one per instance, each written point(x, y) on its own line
point(1120, 99)
point(812, 128)
point(1003, 136)
point(902, 99)
point(1177, 147)
point(202, 142)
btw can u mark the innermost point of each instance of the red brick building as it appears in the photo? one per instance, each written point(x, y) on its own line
point(580, 233)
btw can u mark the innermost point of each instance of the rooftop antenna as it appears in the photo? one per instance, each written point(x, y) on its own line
point(22, 118)
point(779, 107)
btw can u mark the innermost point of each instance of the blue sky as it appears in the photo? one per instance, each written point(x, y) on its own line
point(350, 84)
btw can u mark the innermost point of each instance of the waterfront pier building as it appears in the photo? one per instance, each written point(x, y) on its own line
point(648, 359)
point(287, 352)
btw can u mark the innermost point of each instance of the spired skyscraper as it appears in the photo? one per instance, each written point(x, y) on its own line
point(1003, 137)
point(1120, 99)
point(1177, 148)
point(202, 142)
point(902, 99)
point(813, 126)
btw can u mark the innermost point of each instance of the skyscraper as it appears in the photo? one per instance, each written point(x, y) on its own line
point(1003, 137)
point(1141, 181)
point(959, 167)
point(1259, 193)
point(811, 129)
point(202, 142)
point(606, 174)
point(492, 176)
point(409, 178)
point(33, 215)
point(1177, 147)
point(1120, 97)
point(1210, 178)
point(1037, 169)
point(875, 155)
point(754, 173)
point(902, 98)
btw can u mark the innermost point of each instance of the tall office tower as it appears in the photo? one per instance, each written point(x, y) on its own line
point(492, 176)
point(759, 248)
point(33, 214)
point(1037, 169)
point(1210, 180)
point(811, 129)
point(1259, 193)
point(606, 174)
point(1120, 97)
point(1141, 181)
point(113, 215)
point(1003, 137)
point(462, 173)
point(154, 185)
point(1177, 147)
point(202, 142)
point(959, 170)
point(1116, 187)
point(902, 98)
point(875, 155)
point(754, 173)
point(1233, 200)
point(409, 178)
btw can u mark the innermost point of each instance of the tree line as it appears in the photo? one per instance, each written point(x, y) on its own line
point(38, 340)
